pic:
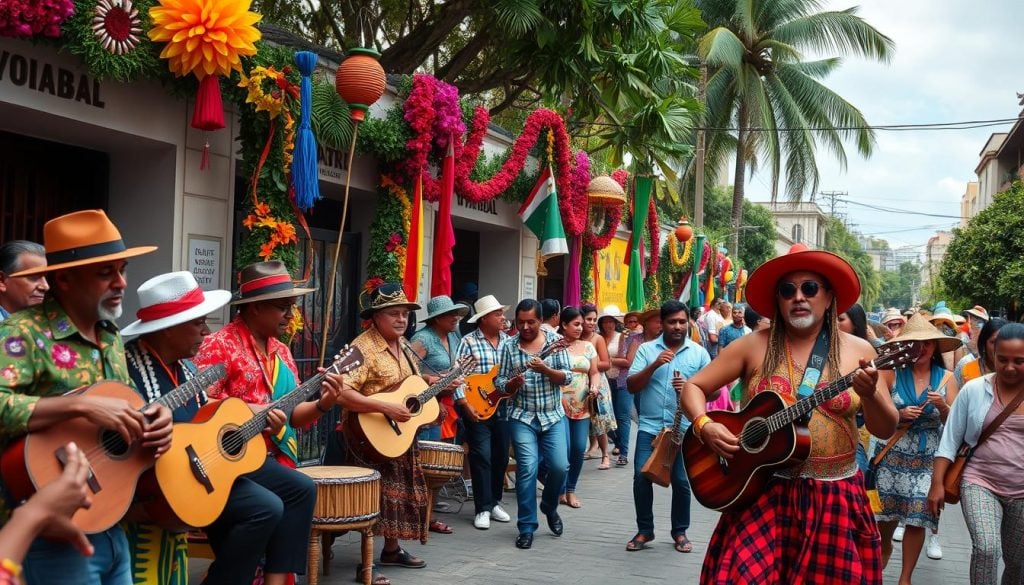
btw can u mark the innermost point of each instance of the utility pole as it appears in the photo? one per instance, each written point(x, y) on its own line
point(698, 198)
point(832, 197)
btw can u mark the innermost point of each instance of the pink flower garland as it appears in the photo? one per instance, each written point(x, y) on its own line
point(26, 18)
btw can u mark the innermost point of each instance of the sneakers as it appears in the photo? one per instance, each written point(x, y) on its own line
point(934, 549)
point(897, 536)
point(482, 520)
point(500, 515)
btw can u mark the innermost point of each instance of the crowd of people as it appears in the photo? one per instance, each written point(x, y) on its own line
point(573, 382)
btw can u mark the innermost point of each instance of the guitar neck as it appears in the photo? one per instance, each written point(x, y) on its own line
point(805, 406)
point(543, 355)
point(182, 394)
point(289, 401)
point(440, 385)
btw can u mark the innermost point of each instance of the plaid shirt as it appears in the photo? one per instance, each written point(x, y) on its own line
point(539, 397)
point(476, 345)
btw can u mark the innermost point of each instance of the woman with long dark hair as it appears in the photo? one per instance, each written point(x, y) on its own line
point(971, 367)
point(577, 395)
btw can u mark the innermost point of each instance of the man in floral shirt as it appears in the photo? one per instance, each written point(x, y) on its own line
point(67, 342)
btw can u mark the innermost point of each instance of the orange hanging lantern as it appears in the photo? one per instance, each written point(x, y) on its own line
point(683, 230)
point(604, 191)
point(360, 81)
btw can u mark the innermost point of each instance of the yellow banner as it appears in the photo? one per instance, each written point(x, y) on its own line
point(611, 275)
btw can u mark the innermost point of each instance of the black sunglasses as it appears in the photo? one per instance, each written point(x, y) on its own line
point(809, 288)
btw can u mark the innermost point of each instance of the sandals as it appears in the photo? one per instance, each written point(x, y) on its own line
point(440, 527)
point(622, 461)
point(605, 463)
point(400, 558)
point(638, 542)
point(683, 544)
point(377, 578)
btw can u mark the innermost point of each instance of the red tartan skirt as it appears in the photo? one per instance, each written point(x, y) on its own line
point(800, 531)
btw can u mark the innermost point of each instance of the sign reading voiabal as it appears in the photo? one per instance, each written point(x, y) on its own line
point(204, 261)
point(22, 71)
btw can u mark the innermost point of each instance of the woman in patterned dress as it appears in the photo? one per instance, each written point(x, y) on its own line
point(904, 474)
point(577, 396)
point(602, 414)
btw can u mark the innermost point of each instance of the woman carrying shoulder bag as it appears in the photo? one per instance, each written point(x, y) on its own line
point(988, 417)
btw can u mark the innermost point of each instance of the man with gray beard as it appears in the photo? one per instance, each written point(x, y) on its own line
point(69, 341)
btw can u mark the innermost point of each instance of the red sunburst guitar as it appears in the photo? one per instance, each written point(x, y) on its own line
point(115, 465)
point(485, 398)
point(772, 436)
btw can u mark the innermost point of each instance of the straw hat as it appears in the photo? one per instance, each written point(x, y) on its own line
point(978, 311)
point(265, 281)
point(389, 294)
point(631, 314)
point(893, 314)
point(842, 279)
point(643, 317)
point(443, 304)
point(172, 299)
point(919, 329)
point(484, 306)
point(942, 314)
point(80, 238)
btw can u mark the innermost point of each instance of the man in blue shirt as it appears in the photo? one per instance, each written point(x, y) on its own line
point(656, 377)
point(733, 331)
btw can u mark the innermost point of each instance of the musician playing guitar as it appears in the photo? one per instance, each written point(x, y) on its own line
point(404, 491)
point(812, 523)
point(653, 382)
point(171, 326)
point(269, 512)
point(67, 342)
point(488, 439)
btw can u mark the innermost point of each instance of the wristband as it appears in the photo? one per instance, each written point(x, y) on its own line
point(698, 426)
point(320, 408)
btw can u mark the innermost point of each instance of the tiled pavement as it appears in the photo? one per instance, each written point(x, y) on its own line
point(592, 550)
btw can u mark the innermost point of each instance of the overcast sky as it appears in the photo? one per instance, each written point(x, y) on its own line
point(955, 60)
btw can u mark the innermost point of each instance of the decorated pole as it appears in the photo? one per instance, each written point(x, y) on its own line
point(635, 282)
point(360, 82)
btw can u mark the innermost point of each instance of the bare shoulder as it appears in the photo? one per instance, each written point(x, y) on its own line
point(852, 349)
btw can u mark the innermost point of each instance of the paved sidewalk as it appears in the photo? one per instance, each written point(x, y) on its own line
point(592, 550)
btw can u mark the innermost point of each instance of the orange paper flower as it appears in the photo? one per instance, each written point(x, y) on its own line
point(204, 37)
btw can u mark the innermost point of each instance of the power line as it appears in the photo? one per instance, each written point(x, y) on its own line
point(928, 126)
point(895, 210)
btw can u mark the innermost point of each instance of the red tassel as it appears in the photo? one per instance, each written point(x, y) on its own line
point(204, 162)
point(209, 110)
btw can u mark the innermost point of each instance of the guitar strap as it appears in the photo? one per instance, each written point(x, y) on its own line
point(815, 365)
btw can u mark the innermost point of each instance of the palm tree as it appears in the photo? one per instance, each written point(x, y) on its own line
point(761, 85)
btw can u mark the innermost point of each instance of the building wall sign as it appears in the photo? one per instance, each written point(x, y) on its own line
point(612, 275)
point(204, 261)
point(331, 164)
point(489, 207)
point(21, 71)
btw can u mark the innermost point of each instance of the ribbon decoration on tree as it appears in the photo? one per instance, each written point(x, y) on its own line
point(635, 281)
point(305, 176)
point(206, 38)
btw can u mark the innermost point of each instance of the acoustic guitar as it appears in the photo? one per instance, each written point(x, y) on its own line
point(772, 436)
point(115, 465)
point(481, 393)
point(224, 441)
point(384, 438)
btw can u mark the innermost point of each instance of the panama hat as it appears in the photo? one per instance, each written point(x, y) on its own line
point(978, 311)
point(842, 279)
point(484, 306)
point(649, 313)
point(611, 312)
point(919, 329)
point(389, 294)
point(893, 314)
point(172, 299)
point(443, 304)
point(265, 281)
point(80, 238)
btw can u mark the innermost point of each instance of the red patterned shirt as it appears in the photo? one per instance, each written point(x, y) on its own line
point(234, 347)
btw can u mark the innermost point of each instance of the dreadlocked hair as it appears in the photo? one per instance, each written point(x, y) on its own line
point(776, 354)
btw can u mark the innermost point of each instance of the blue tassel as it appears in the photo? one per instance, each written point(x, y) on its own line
point(305, 177)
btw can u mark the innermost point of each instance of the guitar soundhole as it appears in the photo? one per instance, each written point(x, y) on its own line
point(232, 442)
point(755, 435)
point(114, 444)
point(413, 405)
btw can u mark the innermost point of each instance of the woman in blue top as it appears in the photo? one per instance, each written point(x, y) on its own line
point(437, 344)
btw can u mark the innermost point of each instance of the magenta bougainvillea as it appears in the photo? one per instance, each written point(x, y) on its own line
point(29, 18)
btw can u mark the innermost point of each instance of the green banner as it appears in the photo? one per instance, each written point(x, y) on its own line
point(698, 251)
point(635, 282)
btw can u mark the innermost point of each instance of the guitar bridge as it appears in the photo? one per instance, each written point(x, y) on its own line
point(198, 469)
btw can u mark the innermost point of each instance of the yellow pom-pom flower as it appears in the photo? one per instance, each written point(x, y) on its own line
point(204, 37)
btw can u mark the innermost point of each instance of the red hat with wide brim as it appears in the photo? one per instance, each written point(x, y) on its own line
point(841, 277)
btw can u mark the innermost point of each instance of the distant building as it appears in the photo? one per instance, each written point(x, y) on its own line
point(934, 253)
point(797, 223)
point(1000, 163)
point(969, 203)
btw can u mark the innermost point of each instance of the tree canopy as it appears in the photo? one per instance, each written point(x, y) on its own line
point(841, 242)
point(898, 286)
point(984, 264)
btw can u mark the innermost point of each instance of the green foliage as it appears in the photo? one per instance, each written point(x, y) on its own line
point(380, 262)
point(898, 287)
point(587, 276)
point(984, 263)
point(330, 118)
point(384, 138)
point(666, 284)
point(488, 166)
point(844, 244)
point(757, 245)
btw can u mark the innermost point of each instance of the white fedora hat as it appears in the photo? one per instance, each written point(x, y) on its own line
point(172, 299)
point(485, 305)
point(612, 311)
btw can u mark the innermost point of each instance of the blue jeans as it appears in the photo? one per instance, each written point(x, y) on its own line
point(622, 404)
point(58, 563)
point(643, 491)
point(488, 458)
point(432, 433)
point(579, 439)
point(530, 442)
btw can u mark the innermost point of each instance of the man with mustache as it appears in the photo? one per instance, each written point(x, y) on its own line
point(67, 342)
point(17, 293)
point(812, 523)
